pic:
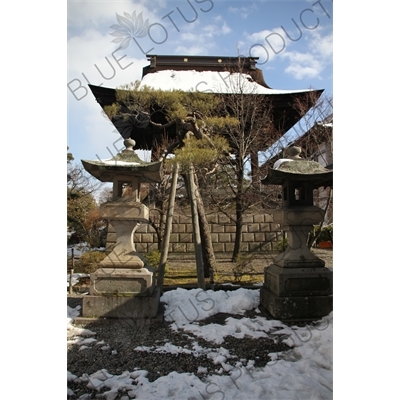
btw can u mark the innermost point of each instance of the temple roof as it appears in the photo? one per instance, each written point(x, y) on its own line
point(246, 65)
point(222, 75)
point(224, 82)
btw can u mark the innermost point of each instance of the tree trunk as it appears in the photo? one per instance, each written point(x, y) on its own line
point(238, 234)
point(207, 246)
point(255, 170)
point(239, 211)
point(196, 230)
point(312, 239)
point(167, 229)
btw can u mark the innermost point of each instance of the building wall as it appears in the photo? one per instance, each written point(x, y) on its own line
point(260, 234)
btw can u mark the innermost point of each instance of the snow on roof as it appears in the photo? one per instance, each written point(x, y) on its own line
point(207, 81)
point(116, 163)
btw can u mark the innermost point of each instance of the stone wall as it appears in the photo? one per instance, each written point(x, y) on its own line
point(260, 234)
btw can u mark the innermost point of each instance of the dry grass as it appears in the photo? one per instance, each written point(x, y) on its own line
point(183, 272)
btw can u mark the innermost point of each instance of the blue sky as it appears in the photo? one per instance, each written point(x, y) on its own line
point(293, 40)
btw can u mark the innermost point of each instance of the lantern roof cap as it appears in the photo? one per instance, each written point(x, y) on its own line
point(301, 171)
point(127, 163)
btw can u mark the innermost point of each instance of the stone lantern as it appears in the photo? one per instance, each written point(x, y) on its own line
point(123, 286)
point(297, 286)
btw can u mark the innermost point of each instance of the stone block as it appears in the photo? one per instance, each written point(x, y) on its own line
point(248, 237)
point(121, 306)
point(291, 282)
point(247, 219)
point(110, 247)
point(110, 229)
point(124, 210)
point(185, 238)
point(142, 247)
point(244, 247)
point(217, 228)
point(178, 248)
point(255, 227)
point(142, 228)
point(189, 247)
point(229, 247)
point(178, 228)
point(174, 238)
point(294, 308)
point(298, 257)
point(275, 227)
point(151, 247)
point(124, 260)
point(258, 218)
point(219, 247)
point(111, 237)
point(224, 237)
point(154, 216)
point(253, 247)
point(183, 219)
point(230, 228)
point(268, 218)
point(270, 237)
point(265, 246)
point(299, 216)
point(223, 219)
point(265, 227)
point(122, 282)
point(212, 218)
point(259, 237)
point(146, 238)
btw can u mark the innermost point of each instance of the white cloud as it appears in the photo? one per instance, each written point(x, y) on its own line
point(266, 45)
point(311, 63)
point(91, 134)
point(197, 39)
point(215, 30)
point(225, 29)
point(323, 45)
point(194, 49)
point(189, 37)
point(302, 65)
point(83, 13)
point(236, 10)
point(243, 12)
point(90, 56)
point(275, 44)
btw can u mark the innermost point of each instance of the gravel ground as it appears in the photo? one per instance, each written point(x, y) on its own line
point(120, 347)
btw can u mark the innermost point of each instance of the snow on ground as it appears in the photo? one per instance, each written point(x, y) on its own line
point(304, 372)
point(81, 248)
point(76, 277)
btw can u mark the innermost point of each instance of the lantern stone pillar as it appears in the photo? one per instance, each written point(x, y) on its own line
point(123, 286)
point(297, 286)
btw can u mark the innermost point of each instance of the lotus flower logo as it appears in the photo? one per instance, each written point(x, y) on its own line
point(130, 26)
